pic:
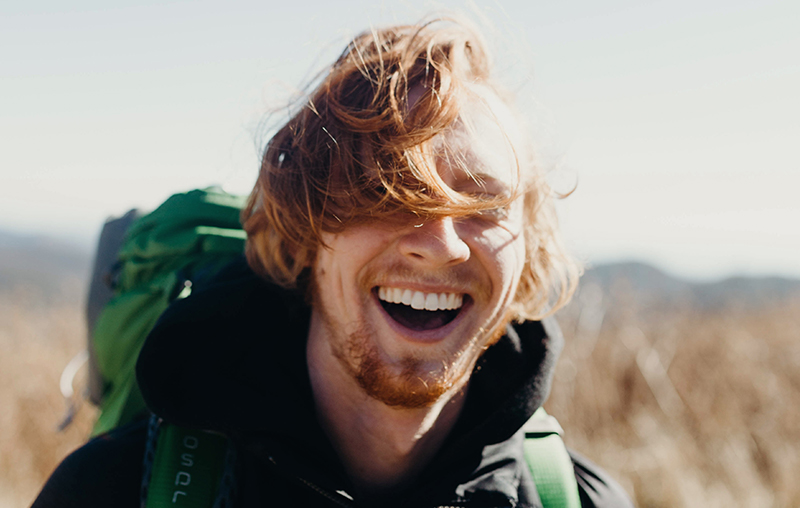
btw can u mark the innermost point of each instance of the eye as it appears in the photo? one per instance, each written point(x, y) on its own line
point(498, 214)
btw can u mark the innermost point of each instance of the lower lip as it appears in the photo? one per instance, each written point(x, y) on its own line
point(423, 336)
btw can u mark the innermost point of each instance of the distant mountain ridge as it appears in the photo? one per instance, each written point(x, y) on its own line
point(56, 269)
point(654, 286)
point(48, 268)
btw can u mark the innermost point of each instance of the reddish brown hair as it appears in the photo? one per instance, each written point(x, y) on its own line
point(361, 149)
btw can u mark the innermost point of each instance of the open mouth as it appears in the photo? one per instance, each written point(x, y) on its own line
point(420, 311)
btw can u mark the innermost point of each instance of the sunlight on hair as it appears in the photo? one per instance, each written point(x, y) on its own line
point(371, 139)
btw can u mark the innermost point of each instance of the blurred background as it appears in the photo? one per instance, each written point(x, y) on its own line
point(676, 122)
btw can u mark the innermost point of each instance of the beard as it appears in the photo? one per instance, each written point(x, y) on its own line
point(408, 384)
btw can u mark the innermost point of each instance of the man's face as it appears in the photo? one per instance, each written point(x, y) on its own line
point(407, 305)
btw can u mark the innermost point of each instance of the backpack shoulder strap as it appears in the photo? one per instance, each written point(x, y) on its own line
point(549, 462)
point(186, 468)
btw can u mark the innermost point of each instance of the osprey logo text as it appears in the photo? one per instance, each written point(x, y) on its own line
point(184, 478)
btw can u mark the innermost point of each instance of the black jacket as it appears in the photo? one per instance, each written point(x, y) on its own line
point(231, 358)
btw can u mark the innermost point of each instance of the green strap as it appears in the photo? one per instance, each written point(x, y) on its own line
point(187, 468)
point(549, 462)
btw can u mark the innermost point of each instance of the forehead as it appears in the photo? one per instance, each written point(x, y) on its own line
point(484, 143)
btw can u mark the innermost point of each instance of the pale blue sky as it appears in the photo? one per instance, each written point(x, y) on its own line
point(679, 119)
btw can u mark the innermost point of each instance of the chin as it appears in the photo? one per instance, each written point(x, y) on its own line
point(412, 380)
point(415, 380)
point(403, 391)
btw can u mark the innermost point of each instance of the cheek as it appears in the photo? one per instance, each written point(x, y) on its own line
point(341, 266)
point(331, 273)
point(503, 253)
point(511, 260)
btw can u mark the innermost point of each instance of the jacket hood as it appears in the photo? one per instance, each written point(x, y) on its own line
point(231, 358)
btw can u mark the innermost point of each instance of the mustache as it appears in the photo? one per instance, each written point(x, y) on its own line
point(460, 277)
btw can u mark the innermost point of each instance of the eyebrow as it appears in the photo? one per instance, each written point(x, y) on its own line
point(489, 182)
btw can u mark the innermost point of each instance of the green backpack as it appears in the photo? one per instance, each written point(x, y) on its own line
point(159, 257)
point(143, 264)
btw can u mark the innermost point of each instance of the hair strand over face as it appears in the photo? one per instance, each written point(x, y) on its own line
point(364, 147)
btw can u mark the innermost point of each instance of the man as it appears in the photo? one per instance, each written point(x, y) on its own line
point(388, 352)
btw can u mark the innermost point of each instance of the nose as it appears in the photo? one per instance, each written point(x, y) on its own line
point(435, 243)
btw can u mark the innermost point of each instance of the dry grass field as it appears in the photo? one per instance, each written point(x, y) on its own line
point(686, 407)
point(36, 340)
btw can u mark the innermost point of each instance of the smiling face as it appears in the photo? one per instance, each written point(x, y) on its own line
point(408, 305)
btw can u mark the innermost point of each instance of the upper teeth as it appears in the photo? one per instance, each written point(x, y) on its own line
point(419, 300)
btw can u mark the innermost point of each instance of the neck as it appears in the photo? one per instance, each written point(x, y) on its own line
point(383, 448)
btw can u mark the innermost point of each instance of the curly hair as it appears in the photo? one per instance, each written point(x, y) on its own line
point(364, 147)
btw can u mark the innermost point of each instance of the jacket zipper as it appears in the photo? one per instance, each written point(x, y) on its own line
point(319, 490)
point(326, 494)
